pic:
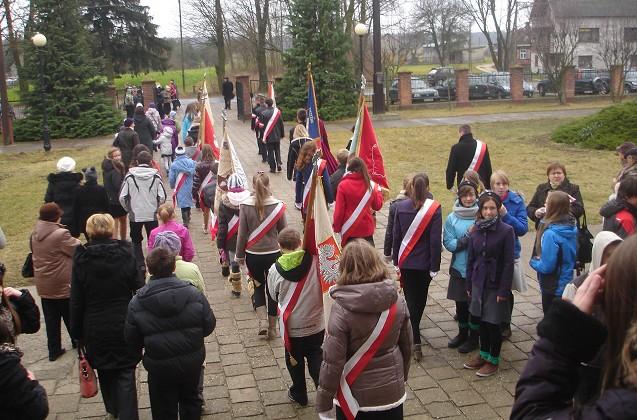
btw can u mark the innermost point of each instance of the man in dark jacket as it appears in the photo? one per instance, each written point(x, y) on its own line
point(462, 157)
point(144, 127)
point(126, 140)
point(169, 318)
point(227, 90)
point(336, 177)
point(271, 122)
point(255, 126)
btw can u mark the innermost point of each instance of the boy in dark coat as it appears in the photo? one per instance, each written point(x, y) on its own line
point(620, 214)
point(169, 319)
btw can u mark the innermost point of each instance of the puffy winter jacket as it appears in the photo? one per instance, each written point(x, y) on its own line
point(165, 141)
point(201, 171)
point(145, 130)
point(226, 212)
point(350, 192)
point(620, 217)
point(456, 235)
point(183, 164)
point(169, 319)
point(89, 200)
point(112, 178)
point(142, 193)
point(61, 190)
point(557, 262)
point(187, 248)
point(126, 140)
point(303, 177)
point(174, 140)
point(354, 315)
point(516, 218)
point(22, 398)
point(249, 220)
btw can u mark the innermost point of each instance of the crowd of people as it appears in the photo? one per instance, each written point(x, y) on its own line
point(124, 304)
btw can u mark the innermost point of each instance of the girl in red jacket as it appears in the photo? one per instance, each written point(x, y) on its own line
point(357, 198)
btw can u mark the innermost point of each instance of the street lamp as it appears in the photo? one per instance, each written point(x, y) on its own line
point(361, 30)
point(379, 91)
point(39, 41)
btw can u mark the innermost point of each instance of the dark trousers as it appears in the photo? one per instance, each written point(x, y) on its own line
point(490, 339)
point(304, 348)
point(547, 301)
point(54, 310)
point(258, 266)
point(395, 413)
point(274, 155)
point(185, 216)
point(226, 100)
point(465, 319)
point(166, 107)
point(416, 287)
point(170, 396)
point(130, 109)
point(119, 392)
point(261, 146)
point(511, 303)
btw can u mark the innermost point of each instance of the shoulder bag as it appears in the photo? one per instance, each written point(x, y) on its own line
point(27, 267)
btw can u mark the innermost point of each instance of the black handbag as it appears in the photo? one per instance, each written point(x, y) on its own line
point(27, 267)
point(584, 244)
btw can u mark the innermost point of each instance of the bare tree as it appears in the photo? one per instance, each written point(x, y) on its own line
point(504, 20)
point(396, 49)
point(443, 21)
point(615, 50)
point(15, 15)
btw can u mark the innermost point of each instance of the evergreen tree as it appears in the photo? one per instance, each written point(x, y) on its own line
point(125, 37)
point(318, 37)
point(75, 103)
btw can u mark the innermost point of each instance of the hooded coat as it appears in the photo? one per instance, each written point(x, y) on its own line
point(620, 217)
point(22, 398)
point(169, 319)
point(142, 193)
point(201, 171)
point(144, 129)
point(227, 209)
point(460, 158)
point(354, 315)
point(174, 140)
point(456, 235)
point(559, 252)
point(350, 192)
point(165, 141)
point(90, 199)
point(126, 140)
point(104, 281)
point(389, 231)
point(516, 218)
point(61, 190)
point(187, 248)
point(187, 166)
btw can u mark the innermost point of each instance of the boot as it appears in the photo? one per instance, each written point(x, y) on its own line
point(458, 340)
point(185, 217)
point(471, 343)
point(262, 315)
point(235, 281)
point(417, 352)
point(225, 269)
point(271, 327)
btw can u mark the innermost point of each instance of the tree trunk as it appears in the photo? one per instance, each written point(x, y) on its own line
point(15, 49)
point(221, 48)
point(228, 42)
point(262, 24)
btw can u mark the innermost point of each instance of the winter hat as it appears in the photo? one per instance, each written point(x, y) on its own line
point(90, 175)
point(151, 105)
point(180, 150)
point(172, 115)
point(66, 164)
point(489, 195)
point(468, 184)
point(169, 241)
point(631, 152)
point(235, 183)
point(128, 122)
point(139, 105)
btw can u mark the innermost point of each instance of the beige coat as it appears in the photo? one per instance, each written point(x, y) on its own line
point(249, 221)
point(53, 249)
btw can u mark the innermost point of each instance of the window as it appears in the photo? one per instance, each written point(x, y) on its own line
point(524, 54)
point(585, 61)
point(630, 34)
point(588, 34)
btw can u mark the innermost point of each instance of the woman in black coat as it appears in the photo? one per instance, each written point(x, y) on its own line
point(103, 283)
point(62, 188)
point(571, 336)
point(113, 172)
point(144, 127)
point(90, 199)
point(557, 180)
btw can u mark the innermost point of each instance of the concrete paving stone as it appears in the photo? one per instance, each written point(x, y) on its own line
point(503, 412)
point(438, 343)
point(514, 355)
point(63, 403)
point(218, 416)
point(234, 359)
point(416, 370)
point(231, 348)
point(63, 416)
point(421, 416)
point(413, 406)
point(48, 374)
point(444, 372)
point(518, 335)
point(225, 314)
point(262, 361)
point(248, 324)
point(431, 362)
point(213, 392)
point(421, 382)
point(498, 399)
point(225, 322)
point(91, 410)
point(433, 332)
point(271, 385)
point(430, 395)
point(234, 370)
point(439, 316)
point(261, 351)
point(213, 357)
point(257, 417)
point(67, 389)
point(244, 395)
point(217, 405)
point(453, 384)
point(143, 400)
point(248, 408)
point(241, 381)
point(211, 347)
point(449, 326)
point(281, 411)
point(522, 320)
point(229, 339)
point(440, 410)
point(525, 346)
point(266, 372)
point(275, 397)
point(479, 412)
point(214, 379)
point(465, 397)
point(214, 367)
point(243, 316)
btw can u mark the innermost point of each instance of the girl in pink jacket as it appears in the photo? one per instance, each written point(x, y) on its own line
point(166, 214)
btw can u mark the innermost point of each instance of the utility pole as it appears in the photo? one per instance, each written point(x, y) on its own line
point(379, 94)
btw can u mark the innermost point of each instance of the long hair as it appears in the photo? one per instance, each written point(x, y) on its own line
point(361, 263)
point(206, 153)
point(305, 155)
point(620, 316)
point(358, 166)
point(419, 189)
point(191, 110)
point(261, 183)
point(118, 165)
point(558, 206)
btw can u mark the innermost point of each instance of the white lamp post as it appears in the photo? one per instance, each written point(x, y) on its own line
point(361, 30)
point(39, 41)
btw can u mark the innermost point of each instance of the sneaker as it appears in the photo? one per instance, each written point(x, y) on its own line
point(458, 340)
point(279, 168)
point(476, 362)
point(299, 401)
point(488, 369)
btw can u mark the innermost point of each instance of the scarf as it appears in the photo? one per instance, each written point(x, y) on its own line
point(486, 224)
point(465, 212)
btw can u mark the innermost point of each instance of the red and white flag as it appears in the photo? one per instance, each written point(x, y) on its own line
point(207, 124)
point(365, 146)
point(213, 225)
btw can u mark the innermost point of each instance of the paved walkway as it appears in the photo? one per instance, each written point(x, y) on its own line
point(246, 375)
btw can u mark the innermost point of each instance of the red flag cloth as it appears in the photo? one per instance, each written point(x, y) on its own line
point(332, 164)
point(209, 131)
point(369, 151)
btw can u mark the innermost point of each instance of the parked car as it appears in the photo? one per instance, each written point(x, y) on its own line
point(440, 74)
point(587, 82)
point(630, 81)
point(479, 88)
point(447, 90)
point(420, 92)
point(503, 79)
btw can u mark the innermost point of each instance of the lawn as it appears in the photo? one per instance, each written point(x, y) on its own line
point(193, 78)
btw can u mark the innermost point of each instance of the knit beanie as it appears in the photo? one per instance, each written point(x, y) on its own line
point(90, 175)
point(172, 115)
point(66, 164)
point(169, 241)
point(235, 183)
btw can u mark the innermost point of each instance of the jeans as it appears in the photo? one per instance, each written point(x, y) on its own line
point(54, 310)
point(119, 392)
point(303, 348)
point(171, 396)
point(258, 267)
point(395, 413)
point(274, 155)
point(416, 287)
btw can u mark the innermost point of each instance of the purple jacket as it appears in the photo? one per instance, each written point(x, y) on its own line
point(426, 253)
point(187, 249)
point(490, 259)
point(167, 122)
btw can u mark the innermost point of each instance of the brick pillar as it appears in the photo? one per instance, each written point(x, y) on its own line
point(569, 84)
point(517, 83)
point(462, 87)
point(111, 95)
point(244, 91)
point(148, 88)
point(616, 81)
point(404, 89)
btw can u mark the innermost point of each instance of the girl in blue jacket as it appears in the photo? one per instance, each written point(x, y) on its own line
point(183, 164)
point(458, 227)
point(555, 248)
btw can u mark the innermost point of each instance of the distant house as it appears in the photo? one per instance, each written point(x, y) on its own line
point(595, 19)
point(472, 49)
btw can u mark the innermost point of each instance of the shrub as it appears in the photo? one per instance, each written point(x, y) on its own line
point(605, 130)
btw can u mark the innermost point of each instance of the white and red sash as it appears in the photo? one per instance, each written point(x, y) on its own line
point(286, 306)
point(266, 225)
point(358, 211)
point(357, 363)
point(207, 180)
point(195, 155)
point(478, 156)
point(322, 163)
point(233, 227)
point(416, 228)
point(181, 180)
point(276, 114)
point(213, 225)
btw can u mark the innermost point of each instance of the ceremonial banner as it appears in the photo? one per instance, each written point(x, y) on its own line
point(271, 94)
point(365, 146)
point(313, 125)
point(207, 125)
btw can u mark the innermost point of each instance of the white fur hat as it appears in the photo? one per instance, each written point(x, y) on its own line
point(66, 164)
